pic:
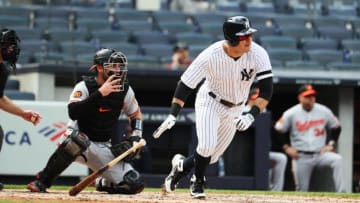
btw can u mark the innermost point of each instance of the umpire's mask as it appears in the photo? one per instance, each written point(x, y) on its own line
point(117, 64)
point(10, 50)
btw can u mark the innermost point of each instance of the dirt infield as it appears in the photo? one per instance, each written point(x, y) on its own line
point(158, 197)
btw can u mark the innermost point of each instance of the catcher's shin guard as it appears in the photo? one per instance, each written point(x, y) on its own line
point(65, 154)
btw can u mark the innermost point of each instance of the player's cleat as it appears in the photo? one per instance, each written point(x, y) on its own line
point(176, 173)
point(1, 186)
point(197, 187)
point(36, 186)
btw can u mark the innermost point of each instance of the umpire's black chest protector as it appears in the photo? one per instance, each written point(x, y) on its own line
point(100, 121)
point(4, 74)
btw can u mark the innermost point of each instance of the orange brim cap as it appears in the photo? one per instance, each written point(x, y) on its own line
point(309, 92)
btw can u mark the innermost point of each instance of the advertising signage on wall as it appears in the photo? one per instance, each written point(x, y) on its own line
point(26, 148)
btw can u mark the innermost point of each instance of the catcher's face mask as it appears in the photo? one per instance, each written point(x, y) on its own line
point(117, 69)
point(9, 46)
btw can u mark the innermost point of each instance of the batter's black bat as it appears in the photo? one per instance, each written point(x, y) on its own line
point(89, 179)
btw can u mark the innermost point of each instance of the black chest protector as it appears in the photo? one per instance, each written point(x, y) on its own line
point(4, 74)
point(100, 122)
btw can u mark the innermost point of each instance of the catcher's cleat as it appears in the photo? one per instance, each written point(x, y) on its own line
point(36, 186)
point(176, 173)
point(197, 187)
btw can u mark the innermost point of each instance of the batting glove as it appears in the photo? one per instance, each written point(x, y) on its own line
point(167, 124)
point(244, 122)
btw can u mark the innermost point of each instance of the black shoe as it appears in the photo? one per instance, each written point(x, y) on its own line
point(197, 187)
point(176, 173)
point(36, 186)
point(1, 186)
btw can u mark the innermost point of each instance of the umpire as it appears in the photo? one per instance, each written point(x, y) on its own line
point(9, 53)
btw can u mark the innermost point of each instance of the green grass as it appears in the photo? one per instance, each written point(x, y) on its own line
point(254, 192)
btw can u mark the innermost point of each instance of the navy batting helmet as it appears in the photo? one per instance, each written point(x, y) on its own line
point(236, 26)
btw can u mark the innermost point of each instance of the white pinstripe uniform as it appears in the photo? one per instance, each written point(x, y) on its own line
point(229, 80)
point(308, 134)
point(98, 153)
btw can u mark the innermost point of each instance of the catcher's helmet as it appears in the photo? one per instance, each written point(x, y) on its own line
point(117, 64)
point(103, 55)
point(236, 26)
point(10, 50)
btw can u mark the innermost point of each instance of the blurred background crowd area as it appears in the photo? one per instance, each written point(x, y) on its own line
point(296, 33)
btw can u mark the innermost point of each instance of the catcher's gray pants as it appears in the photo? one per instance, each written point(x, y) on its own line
point(303, 167)
point(97, 155)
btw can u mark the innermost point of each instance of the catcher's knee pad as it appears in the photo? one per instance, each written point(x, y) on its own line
point(132, 184)
point(74, 145)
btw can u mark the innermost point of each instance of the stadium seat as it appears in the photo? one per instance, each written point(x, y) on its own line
point(262, 8)
point(131, 14)
point(141, 61)
point(285, 54)
point(150, 37)
point(157, 50)
point(355, 57)
point(214, 29)
point(22, 12)
point(325, 56)
point(127, 48)
point(77, 47)
point(37, 45)
point(350, 44)
point(195, 50)
point(135, 26)
point(59, 35)
point(191, 38)
point(227, 6)
point(48, 23)
point(203, 18)
point(304, 65)
point(318, 43)
point(19, 95)
point(292, 20)
point(175, 27)
point(169, 16)
point(12, 84)
point(90, 13)
point(93, 24)
point(6, 21)
point(297, 32)
point(335, 33)
point(111, 36)
point(25, 32)
point(343, 66)
point(278, 42)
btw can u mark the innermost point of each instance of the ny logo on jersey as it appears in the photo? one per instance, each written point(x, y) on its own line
point(246, 75)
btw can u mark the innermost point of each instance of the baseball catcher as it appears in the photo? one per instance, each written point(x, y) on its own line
point(94, 108)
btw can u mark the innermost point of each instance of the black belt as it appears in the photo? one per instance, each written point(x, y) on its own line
point(224, 102)
point(308, 152)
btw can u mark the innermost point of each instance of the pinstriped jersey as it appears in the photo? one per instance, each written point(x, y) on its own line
point(228, 78)
point(307, 128)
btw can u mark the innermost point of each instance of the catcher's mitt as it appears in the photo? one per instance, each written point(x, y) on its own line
point(123, 146)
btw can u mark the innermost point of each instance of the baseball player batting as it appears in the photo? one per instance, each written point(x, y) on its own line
point(308, 123)
point(229, 67)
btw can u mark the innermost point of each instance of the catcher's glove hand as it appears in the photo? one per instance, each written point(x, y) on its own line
point(168, 123)
point(123, 146)
point(244, 122)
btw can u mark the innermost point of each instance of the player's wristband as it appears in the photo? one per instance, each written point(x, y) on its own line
point(254, 111)
point(175, 109)
point(331, 143)
point(136, 124)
